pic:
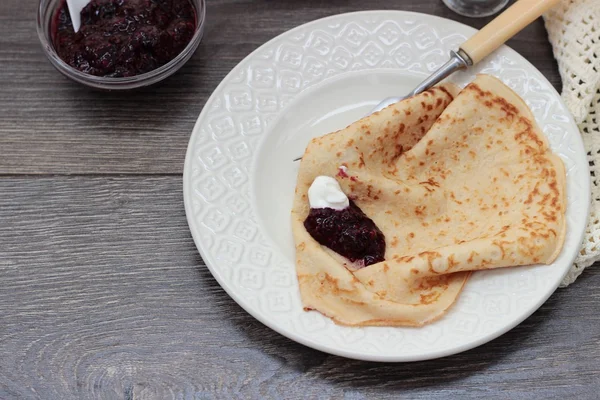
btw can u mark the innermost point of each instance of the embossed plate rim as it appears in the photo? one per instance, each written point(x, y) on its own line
point(271, 321)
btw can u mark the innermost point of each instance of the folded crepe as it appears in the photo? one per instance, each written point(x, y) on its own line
point(456, 183)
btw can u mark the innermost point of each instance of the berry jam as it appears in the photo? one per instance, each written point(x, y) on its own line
point(120, 38)
point(348, 232)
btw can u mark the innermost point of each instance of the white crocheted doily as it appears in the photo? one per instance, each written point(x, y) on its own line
point(574, 31)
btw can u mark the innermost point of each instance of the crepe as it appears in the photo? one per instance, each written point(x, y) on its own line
point(456, 183)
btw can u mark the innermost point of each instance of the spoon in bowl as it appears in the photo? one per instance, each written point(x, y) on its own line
point(480, 45)
point(75, 7)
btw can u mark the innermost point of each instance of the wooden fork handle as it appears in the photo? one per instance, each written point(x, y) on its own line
point(504, 26)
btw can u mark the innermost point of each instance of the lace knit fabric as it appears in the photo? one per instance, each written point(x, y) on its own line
point(574, 31)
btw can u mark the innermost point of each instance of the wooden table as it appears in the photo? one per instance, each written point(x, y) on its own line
point(103, 293)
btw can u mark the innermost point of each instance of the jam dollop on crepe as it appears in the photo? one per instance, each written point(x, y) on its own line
point(348, 232)
point(455, 180)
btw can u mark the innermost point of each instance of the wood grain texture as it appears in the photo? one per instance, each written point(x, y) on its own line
point(104, 296)
point(50, 124)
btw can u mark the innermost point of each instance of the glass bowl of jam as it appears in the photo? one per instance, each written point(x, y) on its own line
point(121, 44)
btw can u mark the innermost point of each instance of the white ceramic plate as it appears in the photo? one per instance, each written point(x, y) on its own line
point(239, 177)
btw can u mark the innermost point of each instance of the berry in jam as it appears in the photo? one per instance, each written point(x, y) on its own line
point(119, 38)
point(348, 232)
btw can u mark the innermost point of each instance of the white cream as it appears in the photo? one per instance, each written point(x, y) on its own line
point(325, 192)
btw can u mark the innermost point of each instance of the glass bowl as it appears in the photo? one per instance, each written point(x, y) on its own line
point(44, 19)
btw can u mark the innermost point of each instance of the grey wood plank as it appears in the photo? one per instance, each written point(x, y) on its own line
point(103, 295)
point(49, 124)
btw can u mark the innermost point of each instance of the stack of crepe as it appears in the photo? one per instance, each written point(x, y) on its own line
point(457, 181)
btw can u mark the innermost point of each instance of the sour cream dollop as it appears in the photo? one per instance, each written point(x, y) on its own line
point(325, 192)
